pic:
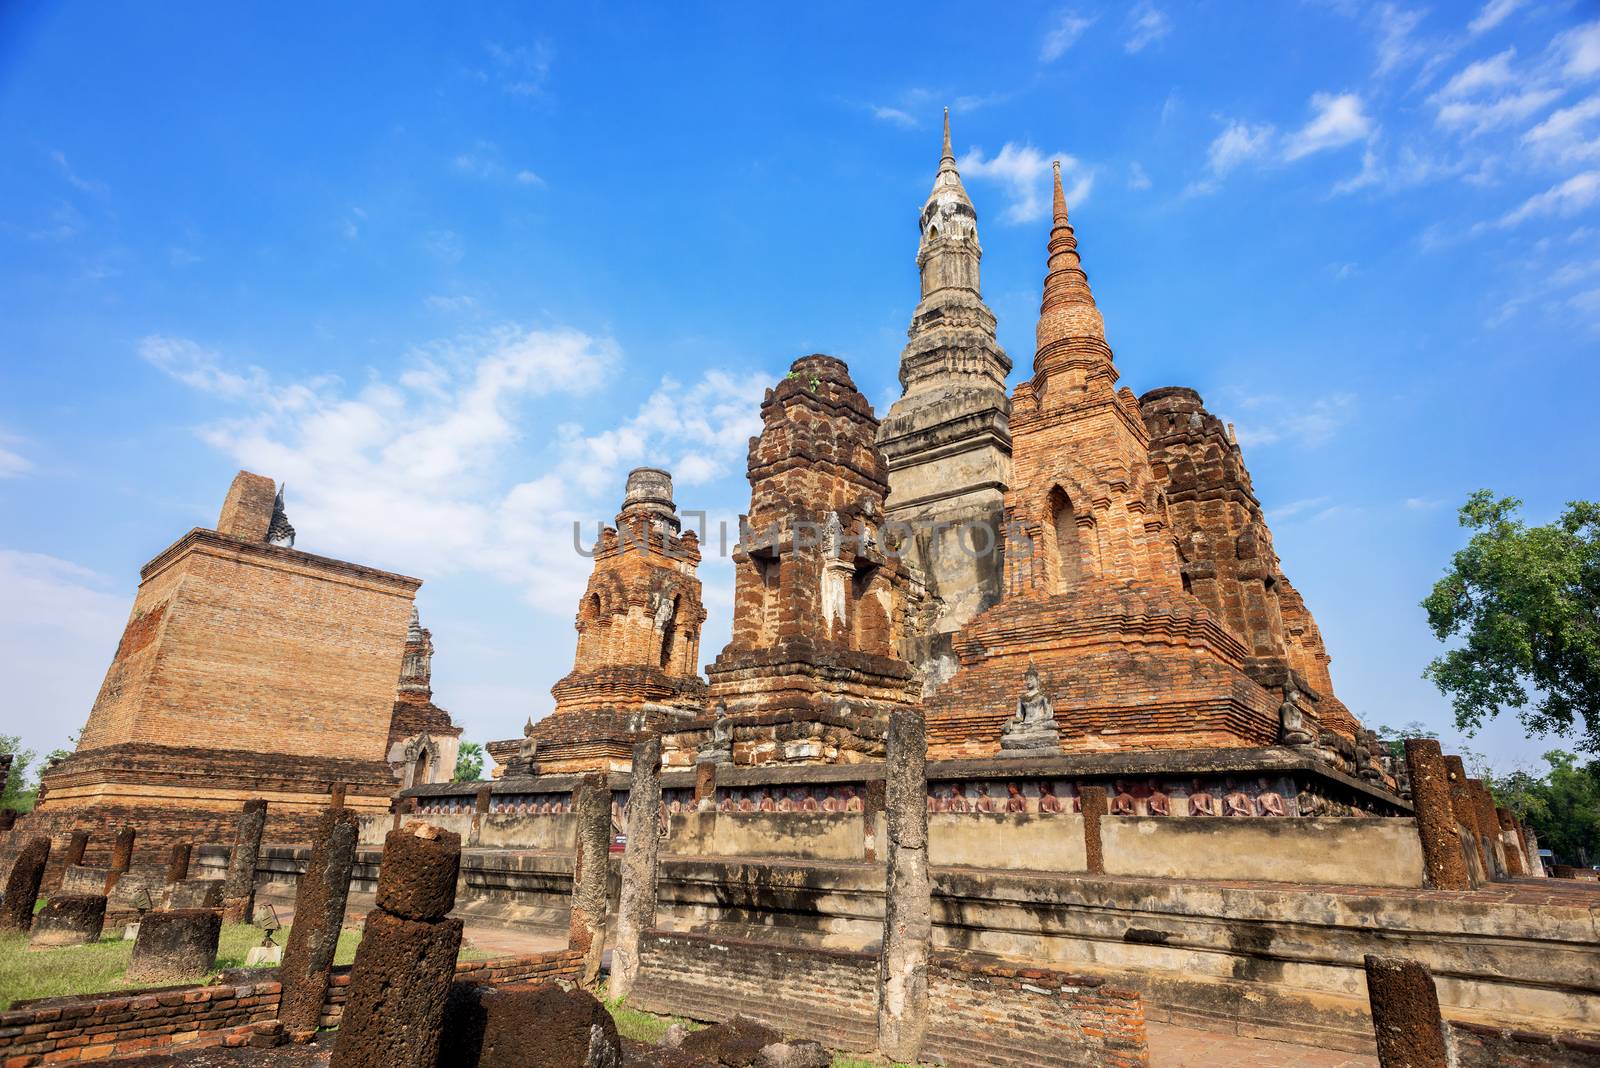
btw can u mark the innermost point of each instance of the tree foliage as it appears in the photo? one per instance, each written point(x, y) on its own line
point(469, 763)
point(1562, 805)
point(15, 794)
point(1524, 603)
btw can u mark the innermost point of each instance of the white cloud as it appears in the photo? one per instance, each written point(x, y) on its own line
point(1488, 73)
point(1024, 172)
point(1423, 504)
point(1396, 44)
point(459, 302)
point(1238, 143)
point(200, 368)
point(1138, 180)
point(1276, 420)
point(444, 244)
point(12, 464)
point(521, 70)
point(1493, 14)
point(413, 472)
point(1338, 120)
point(1566, 134)
point(77, 181)
point(527, 177)
point(1566, 198)
point(1476, 118)
point(1581, 48)
point(1147, 24)
point(1067, 27)
point(894, 115)
point(1282, 512)
point(59, 631)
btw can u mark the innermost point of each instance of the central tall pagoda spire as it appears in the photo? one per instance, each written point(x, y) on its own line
point(947, 438)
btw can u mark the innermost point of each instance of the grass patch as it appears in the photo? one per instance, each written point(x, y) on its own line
point(98, 967)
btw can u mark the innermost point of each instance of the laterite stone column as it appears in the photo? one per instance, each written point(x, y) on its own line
point(121, 855)
point(22, 887)
point(239, 892)
point(1465, 807)
point(77, 845)
point(175, 946)
point(406, 962)
point(69, 920)
point(1405, 1013)
point(1436, 821)
point(586, 930)
point(1092, 801)
point(178, 863)
point(319, 903)
point(1510, 842)
point(908, 891)
point(636, 912)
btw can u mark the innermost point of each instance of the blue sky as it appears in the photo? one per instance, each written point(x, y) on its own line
point(450, 270)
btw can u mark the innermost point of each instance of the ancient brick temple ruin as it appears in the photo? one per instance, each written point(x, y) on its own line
point(423, 741)
point(821, 602)
point(637, 665)
point(248, 668)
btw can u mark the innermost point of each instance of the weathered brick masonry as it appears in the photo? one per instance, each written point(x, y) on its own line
point(100, 1026)
point(983, 1012)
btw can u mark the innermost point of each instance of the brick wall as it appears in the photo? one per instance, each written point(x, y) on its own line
point(981, 1013)
point(96, 1027)
point(1477, 1046)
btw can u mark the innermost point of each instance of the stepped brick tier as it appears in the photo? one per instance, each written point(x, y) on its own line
point(247, 669)
point(821, 603)
point(947, 439)
point(1100, 642)
point(423, 741)
point(637, 663)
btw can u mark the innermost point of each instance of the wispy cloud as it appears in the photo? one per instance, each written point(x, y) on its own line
point(12, 463)
point(458, 302)
point(1493, 14)
point(201, 368)
point(1565, 199)
point(1147, 24)
point(1271, 419)
point(76, 180)
point(895, 115)
point(1579, 48)
point(1024, 173)
point(520, 70)
point(1568, 134)
point(1065, 28)
point(1282, 512)
point(411, 471)
point(444, 245)
point(1338, 120)
point(1138, 180)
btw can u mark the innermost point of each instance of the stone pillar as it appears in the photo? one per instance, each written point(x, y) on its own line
point(1446, 868)
point(705, 785)
point(336, 795)
point(121, 855)
point(239, 893)
point(1464, 807)
point(319, 903)
point(1488, 826)
point(77, 845)
point(636, 912)
point(69, 920)
point(586, 929)
point(872, 803)
point(407, 958)
point(1510, 842)
point(908, 891)
point(480, 810)
point(178, 863)
point(175, 946)
point(22, 887)
point(1531, 851)
point(1405, 1013)
point(1092, 801)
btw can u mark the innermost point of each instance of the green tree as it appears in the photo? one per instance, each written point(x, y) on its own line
point(15, 794)
point(1525, 604)
point(469, 762)
point(1394, 738)
point(1562, 806)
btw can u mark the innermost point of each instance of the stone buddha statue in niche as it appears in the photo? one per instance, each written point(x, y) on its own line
point(1291, 719)
point(718, 749)
point(1033, 728)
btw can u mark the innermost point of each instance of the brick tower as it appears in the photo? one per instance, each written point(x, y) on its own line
point(819, 606)
point(1094, 594)
point(638, 659)
point(423, 741)
point(1226, 553)
point(248, 668)
point(947, 440)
